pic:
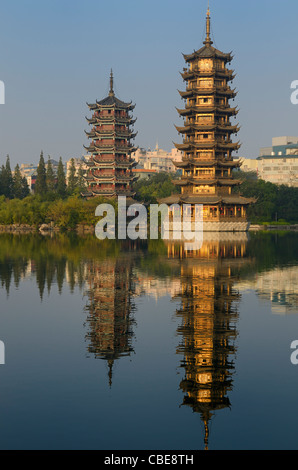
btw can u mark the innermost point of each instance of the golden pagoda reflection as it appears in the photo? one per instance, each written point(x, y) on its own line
point(208, 327)
point(110, 309)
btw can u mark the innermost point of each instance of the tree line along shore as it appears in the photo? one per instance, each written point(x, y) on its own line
point(59, 204)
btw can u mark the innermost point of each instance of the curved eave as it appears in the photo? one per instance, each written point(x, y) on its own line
point(238, 200)
point(208, 52)
point(211, 182)
point(229, 182)
point(207, 163)
point(185, 129)
point(192, 128)
point(205, 91)
point(232, 129)
point(188, 75)
point(90, 135)
point(112, 133)
point(114, 119)
point(115, 105)
point(98, 192)
point(110, 148)
point(92, 106)
point(92, 120)
point(183, 164)
point(180, 183)
point(230, 164)
point(105, 179)
point(193, 110)
point(90, 149)
point(232, 146)
point(201, 146)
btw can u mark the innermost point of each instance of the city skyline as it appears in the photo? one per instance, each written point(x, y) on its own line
point(58, 57)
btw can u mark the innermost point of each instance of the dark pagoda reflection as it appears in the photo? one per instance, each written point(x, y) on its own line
point(110, 309)
point(208, 328)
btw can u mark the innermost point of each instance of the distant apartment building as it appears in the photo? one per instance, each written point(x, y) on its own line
point(279, 163)
point(248, 164)
point(157, 160)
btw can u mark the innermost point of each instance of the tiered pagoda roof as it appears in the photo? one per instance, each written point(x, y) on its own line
point(110, 164)
point(207, 164)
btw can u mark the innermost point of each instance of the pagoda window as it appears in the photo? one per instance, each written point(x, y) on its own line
point(219, 65)
point(205, 65)
point(205, 155)
point(204, 171)
point(205, 136)
point(207, 118)
point(205, 83)
point(205, 100)
point(204, 189)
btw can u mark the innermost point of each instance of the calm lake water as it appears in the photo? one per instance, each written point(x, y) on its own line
point(147, 346)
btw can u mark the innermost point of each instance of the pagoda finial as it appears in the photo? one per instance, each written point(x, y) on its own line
point(208, 41)
point(111, 84)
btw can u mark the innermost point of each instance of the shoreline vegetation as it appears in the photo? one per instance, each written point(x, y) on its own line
point(56, 206)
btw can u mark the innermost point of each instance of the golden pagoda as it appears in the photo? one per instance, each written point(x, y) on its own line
point(209, 317)
point(207, 163)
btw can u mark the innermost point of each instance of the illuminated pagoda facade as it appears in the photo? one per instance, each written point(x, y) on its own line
point(208, 329)
point(207, 163)
point(110, 164)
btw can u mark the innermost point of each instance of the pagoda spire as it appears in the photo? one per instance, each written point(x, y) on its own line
point(208, 41)
point(111, 84)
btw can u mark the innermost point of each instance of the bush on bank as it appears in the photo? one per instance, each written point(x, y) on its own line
point(35, 211)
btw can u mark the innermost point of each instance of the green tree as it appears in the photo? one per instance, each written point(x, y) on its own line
point(6, 180)
point(157, 187)
point(50, 177)
point(81, 182)
point(20, 185)
point(72, 178)
point(61, 180)
point(41, 180)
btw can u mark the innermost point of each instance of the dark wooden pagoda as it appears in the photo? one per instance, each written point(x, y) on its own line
point(207, 163)
point(110, 164)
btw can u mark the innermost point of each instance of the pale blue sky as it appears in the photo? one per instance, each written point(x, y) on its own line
point(56, 55)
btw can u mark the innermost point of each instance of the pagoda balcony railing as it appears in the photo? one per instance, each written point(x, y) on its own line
point(192, 122)
point(201, 105)
point(101, 190)
point(113, 146)
point(104, 176)
point(200, 176)
point(210, 71)
point(202, 123)
point(114, 118)
point(113, 131)
point(211, 89)
point(112, 175)
point(117, 161)
point(113, 190)
point(208, 141)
